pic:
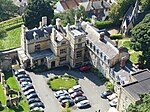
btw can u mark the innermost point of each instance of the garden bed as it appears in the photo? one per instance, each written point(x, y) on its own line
point(62, 82)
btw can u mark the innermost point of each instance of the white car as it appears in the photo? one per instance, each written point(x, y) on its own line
point(59, 93)
point(111, 97)
point(83, 103)
point(29, 92)
point(20, 71)
point(24, 83)
point(74, 89)
point(114, 102)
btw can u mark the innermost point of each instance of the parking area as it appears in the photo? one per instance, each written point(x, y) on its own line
point(91, 85)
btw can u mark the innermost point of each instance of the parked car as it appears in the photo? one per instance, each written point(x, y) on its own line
point(26, 88)
point(19, 71)
point(112, 96)
point(80, 98)
point(106, 93)
point(75, 94)
point(114, 102)
point(32, 100)
point(82, 104)
point(69, 101)
point(74, 89)
point(32, 95)
point(29, 92)
point(61, 98)
point(85, 68)
point(25, 79)
point(22, 76)
point(24, 83)
point(61, 93)
point(36, 104)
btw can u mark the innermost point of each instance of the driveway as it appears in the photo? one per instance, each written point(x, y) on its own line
point(91, 85)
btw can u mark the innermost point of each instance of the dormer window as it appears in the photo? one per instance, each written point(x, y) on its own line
point(90, 45)
point(101, 54)
point(87, 41)
point(94, 48)
point(35, 35)
point(97, 51)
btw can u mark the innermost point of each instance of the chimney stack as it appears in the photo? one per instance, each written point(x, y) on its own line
point(94, 19)
point(116, 41)
point(123, 62)
point(77, 23)
point(58, 23)
point(102, 34)
point(44, 21)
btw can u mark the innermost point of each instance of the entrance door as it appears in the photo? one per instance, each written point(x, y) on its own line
point(52, 64)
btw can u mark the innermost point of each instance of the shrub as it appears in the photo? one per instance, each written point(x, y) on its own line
point(116, 36)
point(104, 24)
point(109, 86)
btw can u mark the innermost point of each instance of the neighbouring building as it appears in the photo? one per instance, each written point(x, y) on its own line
point(129, 93)
point(72, 45)
point(100, 8)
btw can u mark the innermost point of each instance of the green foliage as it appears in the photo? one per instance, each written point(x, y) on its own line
point(145, 5)
point(7, 9)
point(68, 16)
point(116, 36)
point(140, 40)
point(2, 33)
point(67, 109)
point(142, 106)
point(109, 86)
point(117, 11)
point(34, 12)
point(104, 24)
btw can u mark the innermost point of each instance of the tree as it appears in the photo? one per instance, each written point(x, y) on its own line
point(2, 33)
point(7, 10)
point(68, 16)
point(117, 11)
point(142, 106)
point(140, 40)
point(35, 10)
point(67, 109)
point(145, 5)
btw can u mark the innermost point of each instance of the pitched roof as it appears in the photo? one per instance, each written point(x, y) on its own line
point(68, 4)
point(140, 86)
point(39, 31)
point(105, 46)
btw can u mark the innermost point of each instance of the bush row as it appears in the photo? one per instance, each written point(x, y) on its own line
point(116, 36)
point(104, 24)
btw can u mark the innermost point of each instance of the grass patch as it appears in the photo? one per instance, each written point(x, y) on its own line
point(134, 57)
point(2, 95)
point(12, 40)
point(63, 82)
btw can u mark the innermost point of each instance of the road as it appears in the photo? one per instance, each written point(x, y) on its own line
point(90, 84)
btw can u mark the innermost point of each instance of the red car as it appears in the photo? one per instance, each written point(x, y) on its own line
point(85, 68)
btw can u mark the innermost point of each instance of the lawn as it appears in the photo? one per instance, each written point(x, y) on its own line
point(62, 83)
point(133, 54)
point(12, 40)
point(13, 84)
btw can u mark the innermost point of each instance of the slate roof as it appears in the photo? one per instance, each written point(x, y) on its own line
point(41, 54)
point(105, 46)
point(141, 86)
point(39, 31)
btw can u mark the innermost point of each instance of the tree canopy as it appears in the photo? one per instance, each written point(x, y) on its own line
point(2, 33)
point(68, 16)
point(118, 10)
point(7, 10)
point(145, 5)
point(34, 12)
point(142, 106)
point(140, 40)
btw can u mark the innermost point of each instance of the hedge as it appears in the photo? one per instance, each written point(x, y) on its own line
point(104, 24)
point(116, 36)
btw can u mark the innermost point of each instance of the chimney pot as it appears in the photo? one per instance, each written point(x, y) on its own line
point(94, 18)
point(102, 36)
point(44, 21)
point(123, 62)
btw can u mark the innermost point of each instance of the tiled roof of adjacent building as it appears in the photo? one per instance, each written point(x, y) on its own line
point(68, 4)
point(141, 86)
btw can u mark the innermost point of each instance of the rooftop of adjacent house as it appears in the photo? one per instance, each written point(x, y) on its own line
point(140, 86)
point(76, 32)
point(68, 4)
point(39, 31)
point(104, 45)
point(41, 54)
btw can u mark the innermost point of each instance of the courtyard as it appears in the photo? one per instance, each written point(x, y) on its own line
point(91, 85)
